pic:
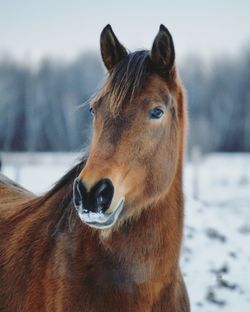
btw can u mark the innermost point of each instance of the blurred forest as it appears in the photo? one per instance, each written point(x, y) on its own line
point(39, 106)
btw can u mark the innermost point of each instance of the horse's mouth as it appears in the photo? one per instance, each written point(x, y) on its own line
point(102, 220)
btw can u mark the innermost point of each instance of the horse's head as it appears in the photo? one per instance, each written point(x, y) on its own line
point(138, 133)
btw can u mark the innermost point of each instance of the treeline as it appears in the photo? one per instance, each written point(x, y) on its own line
point(219, 103)
point(39, 107)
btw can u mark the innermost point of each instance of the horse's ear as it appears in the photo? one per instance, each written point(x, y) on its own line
point(111, 49)
point(162, 53)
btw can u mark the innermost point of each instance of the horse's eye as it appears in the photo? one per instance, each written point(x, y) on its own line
point(92, 112)
point(156, 113)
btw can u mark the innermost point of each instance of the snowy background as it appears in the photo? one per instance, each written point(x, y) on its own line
point(216, 250)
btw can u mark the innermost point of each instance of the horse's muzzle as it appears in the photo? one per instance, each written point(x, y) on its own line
point(92, 205)
point(97, 199)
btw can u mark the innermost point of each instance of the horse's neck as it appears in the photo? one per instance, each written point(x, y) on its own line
point(149, 247)
point(143, 251)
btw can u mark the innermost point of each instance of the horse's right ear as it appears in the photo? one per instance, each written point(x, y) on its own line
point(111, 49)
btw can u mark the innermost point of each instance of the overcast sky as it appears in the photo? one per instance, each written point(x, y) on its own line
point(63, 28)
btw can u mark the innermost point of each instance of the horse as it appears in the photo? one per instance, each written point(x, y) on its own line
point(108, 235)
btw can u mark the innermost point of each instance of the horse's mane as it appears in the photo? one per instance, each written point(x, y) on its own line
point(125, 80)
point(63, 193)
point(65, 182)
point(60, 195)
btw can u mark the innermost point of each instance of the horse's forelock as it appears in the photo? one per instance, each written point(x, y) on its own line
point(125, 81)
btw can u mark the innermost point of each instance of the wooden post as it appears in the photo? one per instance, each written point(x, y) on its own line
point(196, 160)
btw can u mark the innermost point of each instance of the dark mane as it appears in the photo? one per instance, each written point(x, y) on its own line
point(65, 216)
point(64, 188)
point(66, 180)
point(61, 195)
point(126, 80)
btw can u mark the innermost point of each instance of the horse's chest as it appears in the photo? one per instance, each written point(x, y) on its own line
point(109, 288)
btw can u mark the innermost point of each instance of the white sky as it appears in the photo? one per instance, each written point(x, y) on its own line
point(62, 28)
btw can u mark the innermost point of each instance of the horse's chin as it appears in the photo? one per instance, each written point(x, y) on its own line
point(102, 220)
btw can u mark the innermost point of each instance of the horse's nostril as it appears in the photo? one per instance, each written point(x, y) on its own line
point(97, 199)
point(103, 193)
point(79, 192)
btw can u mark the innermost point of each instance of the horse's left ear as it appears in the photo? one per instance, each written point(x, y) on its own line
point(111, 49)
point(162, 53)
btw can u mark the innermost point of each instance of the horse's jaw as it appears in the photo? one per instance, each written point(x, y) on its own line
point(101, 220)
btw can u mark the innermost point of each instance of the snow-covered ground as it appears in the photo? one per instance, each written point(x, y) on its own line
point(216, 251)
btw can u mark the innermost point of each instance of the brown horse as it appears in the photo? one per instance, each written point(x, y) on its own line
point(107, 237)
